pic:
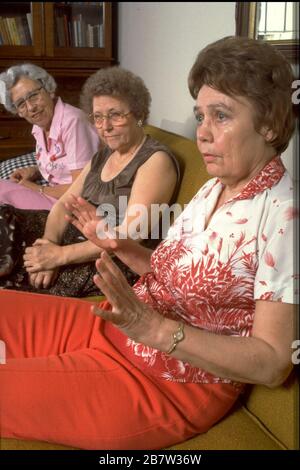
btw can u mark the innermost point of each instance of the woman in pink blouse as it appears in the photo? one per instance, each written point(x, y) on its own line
point(213, 310)
point(65, 139)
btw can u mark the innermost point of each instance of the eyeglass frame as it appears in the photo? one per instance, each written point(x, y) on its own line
point(26, 98)
point(107, 116)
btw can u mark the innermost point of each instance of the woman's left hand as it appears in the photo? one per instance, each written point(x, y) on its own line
point(42, 256)
point(43, 279)
point(135, 318)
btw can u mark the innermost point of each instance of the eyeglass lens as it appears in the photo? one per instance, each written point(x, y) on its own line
point(31, 97)
point(114, 117)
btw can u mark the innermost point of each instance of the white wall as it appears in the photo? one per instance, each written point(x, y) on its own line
point(159, 41)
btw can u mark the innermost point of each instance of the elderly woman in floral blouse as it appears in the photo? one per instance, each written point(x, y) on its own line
point(213, 309)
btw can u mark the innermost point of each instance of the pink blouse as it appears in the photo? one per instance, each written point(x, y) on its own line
point(210, 278)
point(71, 144)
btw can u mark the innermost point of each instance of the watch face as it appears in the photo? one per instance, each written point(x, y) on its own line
point(179, 335)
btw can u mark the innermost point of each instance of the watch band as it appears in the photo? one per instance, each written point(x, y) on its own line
point(177, 336)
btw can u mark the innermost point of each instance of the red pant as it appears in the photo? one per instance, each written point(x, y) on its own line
point(64, 382)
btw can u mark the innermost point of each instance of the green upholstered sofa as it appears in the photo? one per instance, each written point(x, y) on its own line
point(263, 419)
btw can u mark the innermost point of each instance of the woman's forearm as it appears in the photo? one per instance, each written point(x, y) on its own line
point(80, 253)
point(56, 191)
point(134, 255)
point(54, 230)
point(56, 222)
point(242, 359)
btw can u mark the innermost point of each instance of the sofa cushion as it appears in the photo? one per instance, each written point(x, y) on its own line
point(192, 167)
point(278, 410)
point(20, 444)
point(237, 431)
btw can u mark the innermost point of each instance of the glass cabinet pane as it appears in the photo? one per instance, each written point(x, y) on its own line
point(16, 24)
point(274, 21)
point(79, 24)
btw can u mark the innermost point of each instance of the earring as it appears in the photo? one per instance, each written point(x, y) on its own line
point(139, 123)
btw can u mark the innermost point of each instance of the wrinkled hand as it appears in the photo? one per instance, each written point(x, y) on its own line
point(42, 255)
point(80, 211)
point(84, 217)
point(135, 318)
point(30, 173)
point(43, 279)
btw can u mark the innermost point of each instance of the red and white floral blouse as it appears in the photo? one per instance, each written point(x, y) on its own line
point(210, 278)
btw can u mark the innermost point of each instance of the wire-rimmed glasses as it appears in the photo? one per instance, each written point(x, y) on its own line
point(117, 118)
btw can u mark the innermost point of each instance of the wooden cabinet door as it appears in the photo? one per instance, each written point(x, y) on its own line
point(78, 32)
point(21, 29)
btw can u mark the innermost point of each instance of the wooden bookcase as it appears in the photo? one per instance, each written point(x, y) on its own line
point(71, 40)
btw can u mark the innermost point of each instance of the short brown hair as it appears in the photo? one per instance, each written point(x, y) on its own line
point(251, 68)
point(119, 83)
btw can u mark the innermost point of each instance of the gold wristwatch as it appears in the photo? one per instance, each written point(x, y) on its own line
point(177, 337)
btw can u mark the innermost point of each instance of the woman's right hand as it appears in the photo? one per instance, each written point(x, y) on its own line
point(30, 173)
point(135, 318)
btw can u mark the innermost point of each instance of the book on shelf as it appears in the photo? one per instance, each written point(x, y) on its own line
point(60, 30)
point(78, 30)
point(9, 39)
point(66, 30)
point(14, 31)
point(21, 31)
point(63, 36)
point(28, 34)
point(101, 35)
point(29, 21)
point(90, 36)
point(4, 32)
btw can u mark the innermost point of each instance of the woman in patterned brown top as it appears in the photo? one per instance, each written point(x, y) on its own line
point(57, 258)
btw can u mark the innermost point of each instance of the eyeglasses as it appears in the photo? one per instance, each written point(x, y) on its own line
point(116, 117)
point(32, 98)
